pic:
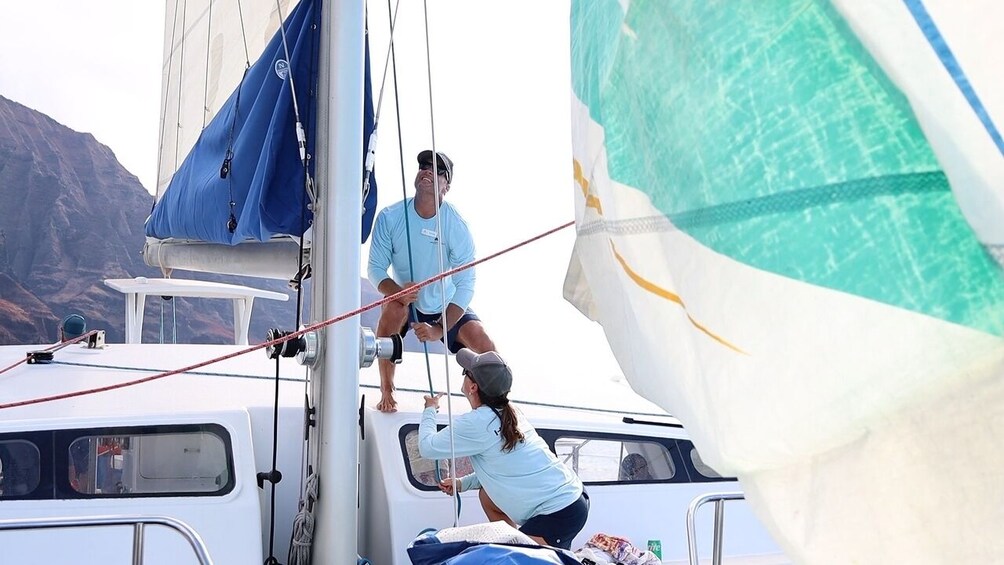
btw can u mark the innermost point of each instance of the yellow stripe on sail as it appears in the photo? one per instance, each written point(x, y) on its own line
point(591, 200)
point(672, 297)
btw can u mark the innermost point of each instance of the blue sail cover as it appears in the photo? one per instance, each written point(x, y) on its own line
point(427, 550)
point(266, 179)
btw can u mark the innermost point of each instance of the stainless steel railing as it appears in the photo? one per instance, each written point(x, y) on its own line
point(137, 522)
point(719, 499)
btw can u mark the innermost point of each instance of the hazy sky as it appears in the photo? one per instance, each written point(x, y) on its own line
point(501, 107)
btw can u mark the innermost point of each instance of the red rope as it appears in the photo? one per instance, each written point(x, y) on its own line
point(293, 335)
point(52, 349)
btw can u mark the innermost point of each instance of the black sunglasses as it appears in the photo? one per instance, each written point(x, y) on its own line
point(428, 167)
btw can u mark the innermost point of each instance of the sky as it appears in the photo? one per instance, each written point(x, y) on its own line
point(500, 108)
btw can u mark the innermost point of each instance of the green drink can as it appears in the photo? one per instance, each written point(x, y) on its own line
point(655, 546)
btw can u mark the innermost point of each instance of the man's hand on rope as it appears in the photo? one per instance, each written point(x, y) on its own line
point(408, 297)
point(427, 332)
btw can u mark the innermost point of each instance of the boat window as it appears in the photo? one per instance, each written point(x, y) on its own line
point(600, 460)
point(701, 466)
point(422, 471)
point(137, 463)
point(20, 466)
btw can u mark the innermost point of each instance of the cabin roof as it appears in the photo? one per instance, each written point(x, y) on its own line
point(247, 383)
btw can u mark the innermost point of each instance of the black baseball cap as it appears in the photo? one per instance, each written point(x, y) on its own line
point(444, 163)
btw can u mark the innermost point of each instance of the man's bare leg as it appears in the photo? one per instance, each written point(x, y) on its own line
point(472, 335)
point(392, 319)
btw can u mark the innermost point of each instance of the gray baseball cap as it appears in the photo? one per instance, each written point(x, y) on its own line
point(488, 370)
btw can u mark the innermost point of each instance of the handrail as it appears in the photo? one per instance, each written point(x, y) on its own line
point(719, 499)
point(138, 523)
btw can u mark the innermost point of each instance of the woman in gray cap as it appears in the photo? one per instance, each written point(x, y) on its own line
point(521, 480)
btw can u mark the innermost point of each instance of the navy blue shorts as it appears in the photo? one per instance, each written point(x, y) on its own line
point(558, 529)
point(454, 345)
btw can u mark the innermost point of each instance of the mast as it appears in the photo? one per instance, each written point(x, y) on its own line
point(335, 258)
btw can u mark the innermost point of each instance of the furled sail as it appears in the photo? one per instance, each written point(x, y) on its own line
point(787, 218)
point(231, 172)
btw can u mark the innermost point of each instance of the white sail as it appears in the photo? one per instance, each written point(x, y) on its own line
point(768, 239)
point(207, 47)
point(940, 54)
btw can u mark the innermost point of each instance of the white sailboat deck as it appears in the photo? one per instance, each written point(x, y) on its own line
point(237, 395)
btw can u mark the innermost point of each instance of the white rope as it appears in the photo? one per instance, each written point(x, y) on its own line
point(442, 267)
point(303, 525)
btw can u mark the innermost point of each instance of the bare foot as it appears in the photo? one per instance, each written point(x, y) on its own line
point(387, 403)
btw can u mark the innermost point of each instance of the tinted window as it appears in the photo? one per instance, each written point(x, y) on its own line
point(605, 460)
point(20, 468)
point(422, 471)
point(138, 463)
point(701, 466)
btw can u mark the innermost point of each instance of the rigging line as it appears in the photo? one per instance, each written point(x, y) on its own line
point(53, 349)
point(181, 79)
point(205, 84)
point(285, 50)
point(165, 271)
point(444, 321)
point(392, 53)
point(229, 156)
point(361, 384)
point(274, 477)
point(391, 62)
point(190, 373)
point(301, 534)
point(372, 142)
point(301, 136)
point(293, 335)
point(305, 444)
point(540, 404)
point(308, 189)
point(174, 320)
point(244, 35)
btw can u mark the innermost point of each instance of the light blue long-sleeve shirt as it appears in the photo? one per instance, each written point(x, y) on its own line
point(389, 247)
point(523, 483)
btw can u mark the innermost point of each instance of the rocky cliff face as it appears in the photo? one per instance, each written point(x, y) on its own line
point(72, 216)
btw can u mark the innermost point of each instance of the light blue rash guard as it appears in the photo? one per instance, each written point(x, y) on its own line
point(389, 247)
point(523, 483)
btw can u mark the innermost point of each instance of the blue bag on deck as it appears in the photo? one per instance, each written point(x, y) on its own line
point(427, 550)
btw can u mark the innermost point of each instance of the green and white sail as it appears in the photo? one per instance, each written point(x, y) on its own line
point(788, 214)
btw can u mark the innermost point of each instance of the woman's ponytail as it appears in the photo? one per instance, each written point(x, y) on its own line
point(507, 415)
